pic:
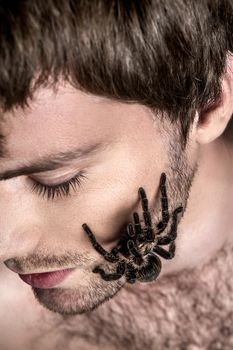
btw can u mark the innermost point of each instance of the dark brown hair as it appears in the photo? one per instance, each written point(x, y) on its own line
point(167, 55)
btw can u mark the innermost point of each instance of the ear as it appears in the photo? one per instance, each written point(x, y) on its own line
point(212, 123)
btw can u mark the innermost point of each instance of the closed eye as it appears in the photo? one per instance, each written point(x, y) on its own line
point(60, 190)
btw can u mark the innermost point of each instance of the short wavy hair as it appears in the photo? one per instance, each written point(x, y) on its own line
point(167, 55)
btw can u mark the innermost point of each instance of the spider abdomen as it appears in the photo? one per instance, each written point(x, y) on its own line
point(150, 269)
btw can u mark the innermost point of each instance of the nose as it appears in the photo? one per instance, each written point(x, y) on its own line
point(17, 242)
point(19, 229)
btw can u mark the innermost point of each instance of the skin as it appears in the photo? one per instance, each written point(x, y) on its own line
point(41, 236)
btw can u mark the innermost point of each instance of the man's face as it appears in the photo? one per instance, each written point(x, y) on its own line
point(40, 234)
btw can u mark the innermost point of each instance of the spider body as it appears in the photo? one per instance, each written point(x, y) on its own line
point(146, 272)
point(135, 254)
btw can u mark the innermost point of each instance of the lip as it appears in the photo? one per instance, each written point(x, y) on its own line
point(46, 279)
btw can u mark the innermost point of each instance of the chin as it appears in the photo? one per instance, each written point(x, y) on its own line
point(79, 300)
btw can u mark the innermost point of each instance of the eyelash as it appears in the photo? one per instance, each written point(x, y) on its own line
point(62, 190)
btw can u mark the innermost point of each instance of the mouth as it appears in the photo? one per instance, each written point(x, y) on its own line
point(46, 279)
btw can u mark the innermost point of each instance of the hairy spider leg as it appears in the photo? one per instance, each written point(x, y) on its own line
point(107, 256)
point(112, 276)
point(130, 273)
point(146, 215)
point(140, 235)
point(164, 204)
point(138, 259)
point(130, 230)
point(164, 253)
point(130, 243)
point(171, 236)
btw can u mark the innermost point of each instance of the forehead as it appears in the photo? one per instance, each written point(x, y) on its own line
point(67, 119)
point(55, 119)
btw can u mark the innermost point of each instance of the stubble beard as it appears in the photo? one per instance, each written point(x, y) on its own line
point(76, 301)
point(180, 176)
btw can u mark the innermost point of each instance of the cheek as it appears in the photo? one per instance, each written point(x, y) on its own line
point(109, 195)
point(108, 203)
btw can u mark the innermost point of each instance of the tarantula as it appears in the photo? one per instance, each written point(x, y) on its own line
point(138, 246)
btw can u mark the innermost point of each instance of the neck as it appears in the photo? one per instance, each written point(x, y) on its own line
point(207, 223)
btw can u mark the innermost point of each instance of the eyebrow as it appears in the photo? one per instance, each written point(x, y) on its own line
point(53, 161)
